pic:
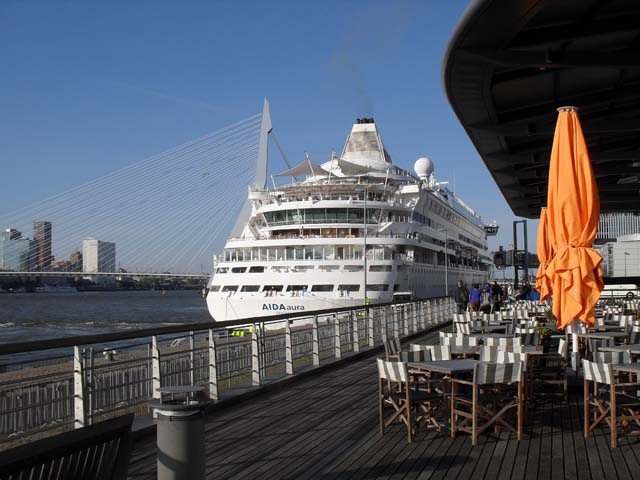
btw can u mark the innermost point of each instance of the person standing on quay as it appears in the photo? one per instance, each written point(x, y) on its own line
point(475, 297)
point(462, 297)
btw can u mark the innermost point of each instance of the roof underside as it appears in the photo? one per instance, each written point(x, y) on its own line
point(511, 63)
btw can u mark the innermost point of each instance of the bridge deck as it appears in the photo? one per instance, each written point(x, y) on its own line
point(326, 426)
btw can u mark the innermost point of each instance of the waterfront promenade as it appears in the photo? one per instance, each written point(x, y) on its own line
point(326, 426)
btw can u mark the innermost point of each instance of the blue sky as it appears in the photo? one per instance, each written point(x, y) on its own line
point(90, 87)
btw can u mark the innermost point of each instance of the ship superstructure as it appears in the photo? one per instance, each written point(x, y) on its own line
point(303, 246)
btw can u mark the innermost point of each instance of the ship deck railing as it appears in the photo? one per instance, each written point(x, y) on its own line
point(50, 386)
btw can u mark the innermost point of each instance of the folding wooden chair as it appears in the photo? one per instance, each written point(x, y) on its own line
point(392, 348)
point(491, 405)
point(503, 342)
point(551, 368)
point(615, 403)
point(409, 406)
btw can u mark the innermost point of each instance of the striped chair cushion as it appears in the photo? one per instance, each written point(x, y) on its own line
point(613, 357)
point(392, 371)
point(495, 355)
point(563, 348)
point(439, 352)
point(416, 356)
point(416, 347)
point(392, 346)
point(488, 354)
point(463, 327)
point(597, 372)
point(459, 341)
point(502, 341)
point(485, 373)
point(633, 337)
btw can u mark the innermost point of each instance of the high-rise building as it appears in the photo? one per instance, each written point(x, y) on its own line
point(11, 234)
point(75, 261)
point(42, 235)
point(98, 256)
point(18, 254)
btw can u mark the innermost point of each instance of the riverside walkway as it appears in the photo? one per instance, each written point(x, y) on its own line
point(326, 426)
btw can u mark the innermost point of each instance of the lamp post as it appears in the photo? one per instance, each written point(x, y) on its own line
point(446, 261)
point(626, 254)
point(365, 190)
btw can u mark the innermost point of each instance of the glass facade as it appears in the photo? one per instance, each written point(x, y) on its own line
point(18, 255)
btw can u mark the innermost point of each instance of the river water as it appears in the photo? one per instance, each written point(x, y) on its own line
point(37, 316)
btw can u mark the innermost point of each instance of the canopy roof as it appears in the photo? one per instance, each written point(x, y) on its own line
point(510, 64)
point(348, 168)
point(304, 168)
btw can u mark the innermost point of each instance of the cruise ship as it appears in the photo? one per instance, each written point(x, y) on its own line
point(353, 230)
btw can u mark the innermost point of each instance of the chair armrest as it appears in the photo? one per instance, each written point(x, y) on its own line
point(463, 382)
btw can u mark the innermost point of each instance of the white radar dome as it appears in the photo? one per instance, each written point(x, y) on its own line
point(423, 167)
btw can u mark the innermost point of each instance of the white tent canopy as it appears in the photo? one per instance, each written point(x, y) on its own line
point(304, 168)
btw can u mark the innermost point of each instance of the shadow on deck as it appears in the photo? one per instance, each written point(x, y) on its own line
point(326, 426)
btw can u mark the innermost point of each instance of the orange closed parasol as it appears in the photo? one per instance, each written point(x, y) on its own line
point(545, 253)
point(573, 210)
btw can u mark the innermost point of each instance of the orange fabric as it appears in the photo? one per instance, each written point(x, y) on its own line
point(545, 252)
point(573, 210)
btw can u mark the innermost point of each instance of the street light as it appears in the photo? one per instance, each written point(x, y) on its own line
point(625, 262)
point(446, 261)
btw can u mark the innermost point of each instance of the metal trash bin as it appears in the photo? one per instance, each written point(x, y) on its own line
point(180, 432)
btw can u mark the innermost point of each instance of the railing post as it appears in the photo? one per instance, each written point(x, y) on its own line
point(289, 349)
point(406, 319)
point(89, 386)
point(414, 319)
point(156, 382)
point(384, 335)
point(80, 414)
point(256, 376)
point(370, 326)
point(396, 330)
point(213, 370)
point(316, 342)
point(421, 319)
point(192, 358)
point(336, 341)
point(355, 321)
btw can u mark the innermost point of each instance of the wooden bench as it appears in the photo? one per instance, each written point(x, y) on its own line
point(99, 451)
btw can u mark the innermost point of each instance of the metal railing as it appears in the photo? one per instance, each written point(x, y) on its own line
point(53, 385)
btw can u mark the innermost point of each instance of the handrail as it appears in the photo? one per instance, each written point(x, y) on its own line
point(71, 341)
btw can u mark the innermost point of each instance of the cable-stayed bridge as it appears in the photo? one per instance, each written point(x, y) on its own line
point(166, 215)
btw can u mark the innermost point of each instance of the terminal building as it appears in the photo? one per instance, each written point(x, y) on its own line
point(98, 256)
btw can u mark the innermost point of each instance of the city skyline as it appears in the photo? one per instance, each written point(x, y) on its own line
point(317, 85)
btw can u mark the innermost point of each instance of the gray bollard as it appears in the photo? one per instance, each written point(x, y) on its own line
point(180, 432)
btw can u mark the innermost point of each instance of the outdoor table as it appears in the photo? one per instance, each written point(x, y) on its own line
point(633, 349)
point(603, 335)
point(464, 350)
point(446, 367)
point(626, 367)
point(491, 328)
point(482, 336)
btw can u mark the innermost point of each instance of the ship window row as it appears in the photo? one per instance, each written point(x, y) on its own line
point(334, 215)
point(297, 289)
point(444, 212)
point(462, 257)
point(307, 252)
point(303, 268)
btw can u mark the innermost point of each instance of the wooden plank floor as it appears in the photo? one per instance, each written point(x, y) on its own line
point(326, 426)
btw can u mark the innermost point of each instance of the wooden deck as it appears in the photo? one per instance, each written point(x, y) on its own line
point(326, 426)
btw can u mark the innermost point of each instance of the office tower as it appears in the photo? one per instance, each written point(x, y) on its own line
point(18, 254)
point(42, 235)
point(11, 234)
point(75, 261)
point(98, 256)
